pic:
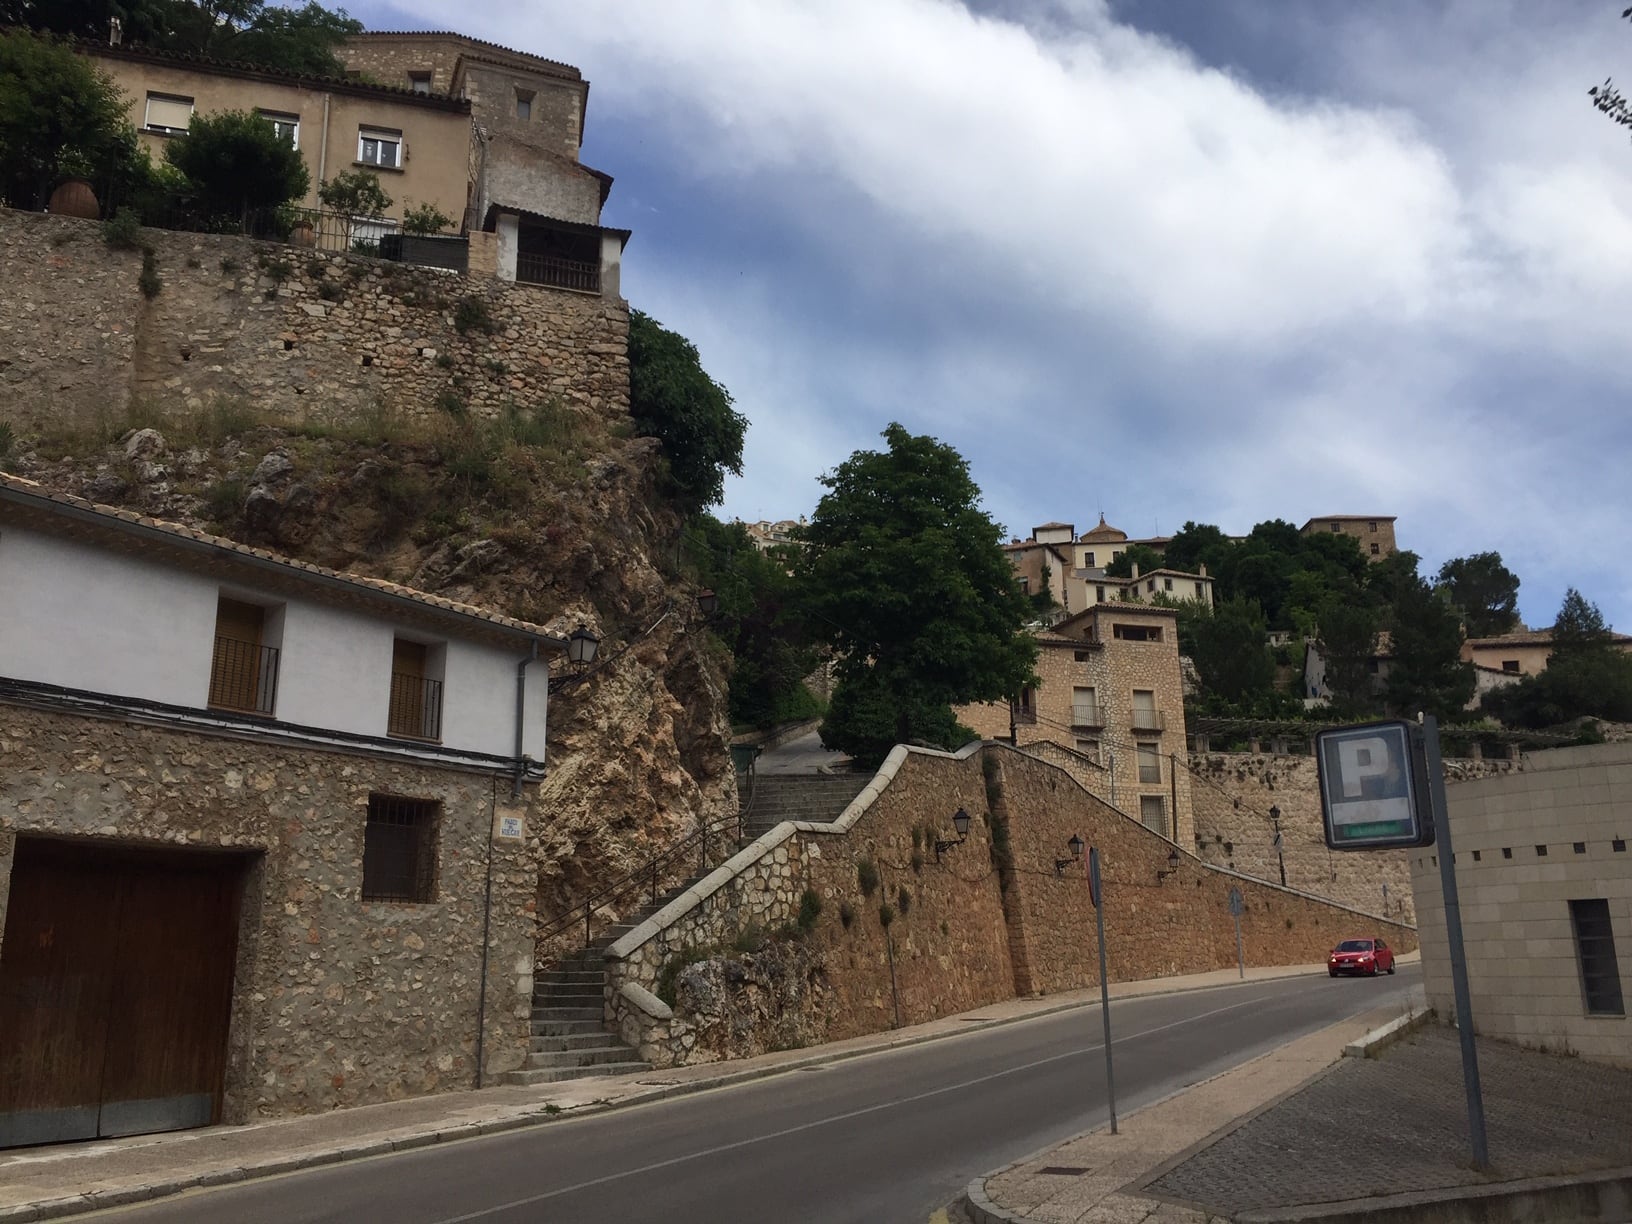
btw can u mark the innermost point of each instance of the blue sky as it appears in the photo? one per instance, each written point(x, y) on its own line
point(1168, 259)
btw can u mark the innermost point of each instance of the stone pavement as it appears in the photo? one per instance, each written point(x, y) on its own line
point(1302, 1131)
point(68, 1179)
point(802, 755)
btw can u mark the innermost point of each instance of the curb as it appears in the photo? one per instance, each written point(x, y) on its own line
point(1381, 1038)
point(80, 1204)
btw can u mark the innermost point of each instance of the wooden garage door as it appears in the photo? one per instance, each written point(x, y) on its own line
point(115, 990)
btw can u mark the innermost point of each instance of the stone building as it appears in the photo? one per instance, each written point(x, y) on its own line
point(1073, 568)
point(262, 829)
point(418, 144)
point(1544, 878)
point(1374, 533)
point(1111, 693)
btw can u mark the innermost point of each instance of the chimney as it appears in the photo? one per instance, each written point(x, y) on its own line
point(116, 31)
point(1136, 571)
point(1203, 568)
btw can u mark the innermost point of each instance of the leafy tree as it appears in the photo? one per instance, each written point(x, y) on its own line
point(903, 573)
point(1484, 590)
point(1587, 674)
point(1195, 545)
point(235, 161)
point(672, 399)
point(757, 619)
point(1142, 555)
point(59, 118)
point(1228, 647)
point(425, 218)
point(1348, 643)
point(1609, 99)
point(303, 40)
point(1427, 672)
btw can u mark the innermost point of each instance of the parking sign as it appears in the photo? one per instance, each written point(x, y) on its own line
point(1370, 790)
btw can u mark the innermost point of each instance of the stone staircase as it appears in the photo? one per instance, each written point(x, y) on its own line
point(817, 797)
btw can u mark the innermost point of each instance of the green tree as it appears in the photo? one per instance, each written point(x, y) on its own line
point(304, 40)
point(1195, 545)
point(1579, 627)
point(357, 193)
point(1229, 648)
point(1426, 672)
point(235, 162)
point(1587, 675)
point(1142, 555)
point(904, 575)
point(1348, 644)
point(59, 118)
point(672, 399)
point(1484, 590)
point(757, 619)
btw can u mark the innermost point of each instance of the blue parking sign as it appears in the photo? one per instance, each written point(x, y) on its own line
point(1371, 791)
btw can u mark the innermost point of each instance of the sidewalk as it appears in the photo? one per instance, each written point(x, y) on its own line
point(1304, 1134)
point(50, 1182)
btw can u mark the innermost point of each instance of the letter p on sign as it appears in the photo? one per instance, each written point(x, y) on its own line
point(1361, 759)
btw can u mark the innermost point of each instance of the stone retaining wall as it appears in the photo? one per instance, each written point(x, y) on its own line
point(337, 1002)
point(296, 335)
point(992, 918)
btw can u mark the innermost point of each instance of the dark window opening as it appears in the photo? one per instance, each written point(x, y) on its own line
point(1507, 851)
point(399, 849)
point(1595, 951)
point(563, 258)
point(1136, 633)
point(1541, 851)
point(1580, 847)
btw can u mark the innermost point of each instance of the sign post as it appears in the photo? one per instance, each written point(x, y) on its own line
point(1237, 905)
point(1382, 785)
point(1097, 894)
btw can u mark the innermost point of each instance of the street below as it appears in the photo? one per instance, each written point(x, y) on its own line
point(884, 1138)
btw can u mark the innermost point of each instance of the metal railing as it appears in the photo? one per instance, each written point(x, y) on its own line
point(644, 885)
point(244, 676)
point(1149, 720)
point(416, 707)
point(558, 272)
point(1086, 716)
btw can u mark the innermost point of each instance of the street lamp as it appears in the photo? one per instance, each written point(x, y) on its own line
point(707, 601)
point(960, 822)
point(1172, 866)
point(581, 647)
point(1280, 856)
point(1075, 846)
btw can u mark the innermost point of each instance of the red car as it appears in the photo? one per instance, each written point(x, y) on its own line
point(1368, 956)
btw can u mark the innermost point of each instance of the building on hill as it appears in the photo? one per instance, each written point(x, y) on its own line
point(419, 144)
point(1073, 569)
point(1374, 532)
point(1111, 693)
point(263, 829)
point(767, 535)
point(1521, 654)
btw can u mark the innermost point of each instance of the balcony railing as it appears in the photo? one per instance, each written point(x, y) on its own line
point(1086, 716)
point(557, 272)
point(1150, 773)
point(1149, 720)
point(244, 676)
point(416, 707)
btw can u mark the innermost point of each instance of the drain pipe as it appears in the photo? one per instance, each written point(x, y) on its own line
point(487, 938)
point(521, 709)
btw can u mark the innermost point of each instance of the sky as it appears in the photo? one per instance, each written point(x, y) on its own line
point(1165, 260)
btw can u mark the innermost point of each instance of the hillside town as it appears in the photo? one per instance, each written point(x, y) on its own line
point(405, 739)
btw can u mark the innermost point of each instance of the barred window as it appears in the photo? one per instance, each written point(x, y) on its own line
point(1595, 950)
point(399, 849)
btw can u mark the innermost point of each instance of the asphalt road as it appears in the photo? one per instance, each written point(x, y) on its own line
point(883, 1139)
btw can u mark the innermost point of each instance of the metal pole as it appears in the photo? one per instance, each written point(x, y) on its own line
point(1104, 985)
point(1240, 959)
point(1453, 940)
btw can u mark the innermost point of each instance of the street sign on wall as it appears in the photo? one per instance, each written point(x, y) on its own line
point(1371, 792)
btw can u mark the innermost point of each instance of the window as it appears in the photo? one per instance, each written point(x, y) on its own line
point(1150, 587)
point(1090, 749)
point(1595, 950)
point(1201, 590)
point(1167, 584)
point(1099, 594)
point(1025, 710)
point(1150, 762)
point(1373, 526)
point(168, 113)
point(379, 147)
point(1081, 656)
point(1136, 633)
point(1335, 527)
point(1510, 665)
point(399, 849)
point(415, 711)
point(244, 669)
point(286, 126)
point(1088, 562)
point(419, 82)
point(1153, 813)
point(1025, 586)
point(1084, 708)
point(1376, 551)
point(1146, 717)
point(524, 104)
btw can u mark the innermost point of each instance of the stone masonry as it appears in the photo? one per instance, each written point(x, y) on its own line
point(991, 919)
point(337, 1002)
point(302, 336)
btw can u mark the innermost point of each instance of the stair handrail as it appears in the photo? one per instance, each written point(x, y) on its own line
point(649, 872)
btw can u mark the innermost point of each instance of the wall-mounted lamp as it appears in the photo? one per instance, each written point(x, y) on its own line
point(1075, 846)
point(707, 601)
point(960, 822)
point(1172, 866)
point(581, 647)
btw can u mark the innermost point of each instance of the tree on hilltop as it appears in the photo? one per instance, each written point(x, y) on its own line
point(1587, 675)
point(904, 575)
point(1484, 590)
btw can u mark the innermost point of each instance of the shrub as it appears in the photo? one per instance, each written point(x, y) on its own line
point(471, 314)
point(7, 439)
point(750, 939)
point(331, 291)
point(123, 231)
point(236, 162)
point(677, 963)
point(810, 909)
point(866, 876)
point(148, 282)
point(425, 218)
point(356, 193)
point(224, 499)
point(886, 915)
point(903, 900)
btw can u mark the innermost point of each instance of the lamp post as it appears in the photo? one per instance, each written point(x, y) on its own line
point(960, 822)
point(1075, 847)
point(581, 647)
point(1280, 856)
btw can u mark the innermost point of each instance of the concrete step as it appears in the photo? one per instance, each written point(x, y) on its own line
point(555, 1043)
point(592, 1057)
point(554, 999)
point(597, 1012)
point(554, 1075)
point(570, 1028)
point(572, 977)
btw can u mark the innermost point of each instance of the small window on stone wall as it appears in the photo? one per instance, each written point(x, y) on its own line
point(399, 849)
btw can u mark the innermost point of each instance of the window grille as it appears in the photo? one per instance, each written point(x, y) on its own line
point(1595, 950)
point(399, 849)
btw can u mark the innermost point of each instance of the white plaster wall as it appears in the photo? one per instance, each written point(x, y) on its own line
point(1523, 974)
point(509, 231)
point(83, 617)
